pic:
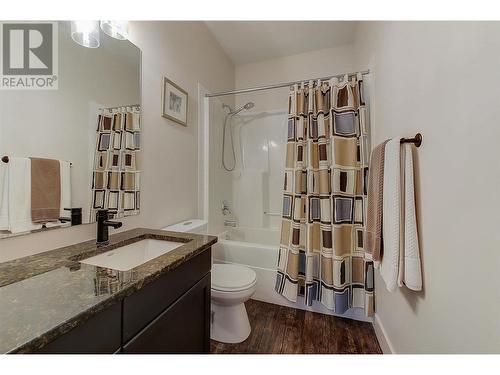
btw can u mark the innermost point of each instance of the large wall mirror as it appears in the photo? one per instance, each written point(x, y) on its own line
point(69, 152)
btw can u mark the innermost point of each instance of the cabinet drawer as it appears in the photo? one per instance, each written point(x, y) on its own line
point(101, 334)
point(146, 304)
point(182, 328)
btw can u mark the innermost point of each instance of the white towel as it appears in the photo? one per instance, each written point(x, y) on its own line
point(412, 273)
point(4, 197)
point(65, 168)
point(389, 265)
point(19, 196)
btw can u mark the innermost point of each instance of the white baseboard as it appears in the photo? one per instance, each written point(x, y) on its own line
point(383, 339)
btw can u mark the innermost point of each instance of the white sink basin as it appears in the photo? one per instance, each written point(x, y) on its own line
point(129, 256)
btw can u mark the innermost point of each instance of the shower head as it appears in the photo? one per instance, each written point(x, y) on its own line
point(245, 107)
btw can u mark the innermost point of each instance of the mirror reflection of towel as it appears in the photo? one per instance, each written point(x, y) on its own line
point(19, 195)
point(45, 190)
point(4, 197)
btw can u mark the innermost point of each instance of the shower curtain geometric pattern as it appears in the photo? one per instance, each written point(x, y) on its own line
point(321, 255)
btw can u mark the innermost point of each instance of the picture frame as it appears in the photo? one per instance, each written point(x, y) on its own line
point(174, 102)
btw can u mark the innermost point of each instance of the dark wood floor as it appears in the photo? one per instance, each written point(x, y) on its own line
point(284, 330)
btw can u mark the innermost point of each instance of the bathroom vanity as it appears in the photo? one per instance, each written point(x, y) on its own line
point(54, 302)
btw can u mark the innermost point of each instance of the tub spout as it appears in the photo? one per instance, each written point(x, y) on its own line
point(230, 223)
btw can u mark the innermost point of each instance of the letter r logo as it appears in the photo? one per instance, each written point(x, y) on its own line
point(27, 49)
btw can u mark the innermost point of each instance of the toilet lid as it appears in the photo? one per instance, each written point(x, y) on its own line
point(231, 277)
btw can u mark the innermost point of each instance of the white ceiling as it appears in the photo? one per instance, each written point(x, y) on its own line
point(250, 41)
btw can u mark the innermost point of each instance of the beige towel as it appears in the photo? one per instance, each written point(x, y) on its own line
point(373, 232)
point(45, 190)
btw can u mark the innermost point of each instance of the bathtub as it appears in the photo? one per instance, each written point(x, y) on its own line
point(258, 248)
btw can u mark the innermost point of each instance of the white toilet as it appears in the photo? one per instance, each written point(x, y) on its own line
point(197, 226)
point(232, 286)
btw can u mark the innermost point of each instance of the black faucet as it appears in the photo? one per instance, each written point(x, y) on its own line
point(102, 226)
point(75, 218)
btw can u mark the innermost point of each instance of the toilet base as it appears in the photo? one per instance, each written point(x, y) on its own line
point(230, 324)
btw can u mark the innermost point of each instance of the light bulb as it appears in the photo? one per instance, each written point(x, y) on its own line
point(115, 29)
point(85, 33)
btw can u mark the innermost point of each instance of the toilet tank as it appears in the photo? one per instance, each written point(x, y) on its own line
point(197, 226)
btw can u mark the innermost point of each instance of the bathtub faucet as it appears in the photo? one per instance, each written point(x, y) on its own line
point(226, 210)
point(229, 223)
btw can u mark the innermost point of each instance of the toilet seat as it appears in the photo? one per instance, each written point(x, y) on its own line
point(232, 277)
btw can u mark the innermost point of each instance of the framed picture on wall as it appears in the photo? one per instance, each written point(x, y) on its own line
point(174, 102)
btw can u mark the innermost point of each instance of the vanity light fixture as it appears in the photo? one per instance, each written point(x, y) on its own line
point(85, 33)
point(115, 29)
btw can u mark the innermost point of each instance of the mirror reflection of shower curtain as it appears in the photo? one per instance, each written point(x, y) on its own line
point(116, 172)
point(321, 256)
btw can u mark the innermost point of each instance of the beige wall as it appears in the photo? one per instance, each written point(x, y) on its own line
point(307, 65)
point(442, 79)
point(186, 53)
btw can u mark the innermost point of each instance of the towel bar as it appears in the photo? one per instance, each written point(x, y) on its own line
point(272, 213)
point(417, 140)
point(5, 159)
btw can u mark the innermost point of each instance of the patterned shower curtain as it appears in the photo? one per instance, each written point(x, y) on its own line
point(116, 174)
point(321, 255)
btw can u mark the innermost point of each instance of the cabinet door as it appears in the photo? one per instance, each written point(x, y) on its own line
point(143, 306)
point(101, 334)
point(182, 328)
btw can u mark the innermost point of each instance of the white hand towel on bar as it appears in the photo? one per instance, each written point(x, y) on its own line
point(389, 265)
point(65, 168)
point(19, 185)
point(412, 273)
point(4, 197)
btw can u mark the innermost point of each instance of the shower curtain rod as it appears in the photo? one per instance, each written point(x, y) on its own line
point(123, 106)
point(280, 85)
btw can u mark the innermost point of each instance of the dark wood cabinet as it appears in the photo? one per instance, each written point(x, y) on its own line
point(170, 315)
point(181, 328)
point(141, 307)
point(101, 334)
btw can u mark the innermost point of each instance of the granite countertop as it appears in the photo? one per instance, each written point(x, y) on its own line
point(45, 295)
